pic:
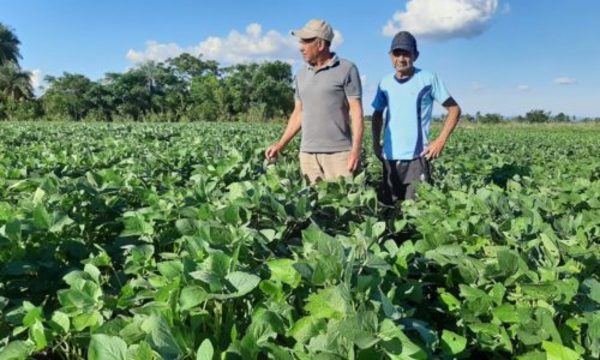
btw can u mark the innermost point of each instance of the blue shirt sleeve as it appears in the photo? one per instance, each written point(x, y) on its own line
point(380, 102)
point(438, 90)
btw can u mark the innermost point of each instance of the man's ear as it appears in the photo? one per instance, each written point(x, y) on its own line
point(322, 44)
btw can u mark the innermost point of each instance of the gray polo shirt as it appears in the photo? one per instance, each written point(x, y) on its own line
point(325, 111)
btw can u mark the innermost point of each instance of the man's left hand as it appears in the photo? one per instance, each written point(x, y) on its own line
point(434, 149)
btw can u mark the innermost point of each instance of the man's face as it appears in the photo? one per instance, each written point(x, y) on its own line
point(402, 60)
point(310, 49)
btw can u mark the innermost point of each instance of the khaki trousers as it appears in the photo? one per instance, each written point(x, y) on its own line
point(324, 166)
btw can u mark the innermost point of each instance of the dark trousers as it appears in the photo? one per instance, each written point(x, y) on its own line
point(400, 178)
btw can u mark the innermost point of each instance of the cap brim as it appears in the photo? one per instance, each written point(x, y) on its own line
point(303, 34)
point(414, 52)
point(405, 48)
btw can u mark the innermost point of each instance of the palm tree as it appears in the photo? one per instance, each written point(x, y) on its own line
point(15, 83)
point(9, 46)
point(151, 72)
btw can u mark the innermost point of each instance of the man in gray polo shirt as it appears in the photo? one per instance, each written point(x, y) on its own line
point(327, 108)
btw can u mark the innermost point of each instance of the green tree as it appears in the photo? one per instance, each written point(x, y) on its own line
point(99, 99)
point(15, 83)
point(151, 91)
point(467, 118)
point(9, 46)
point(152, 74)
point(488, 118)
point(68, 96)
point(265, 87)
point(537, 116)
point(561, 117)
point(130, 97)
point(151, 71)
point(209, 99)
point(187, 66)
point(15, 89)
point(23, 110)
point(237, 84)
point(170, 96)
point(272, 89)
point(191, 72)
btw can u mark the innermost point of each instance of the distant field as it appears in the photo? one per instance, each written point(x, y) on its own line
point(178, 241)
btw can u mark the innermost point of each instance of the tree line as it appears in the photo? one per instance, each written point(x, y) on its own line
point(535, 116)
point(184, 88)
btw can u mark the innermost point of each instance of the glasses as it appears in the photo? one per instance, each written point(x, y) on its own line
point(308, 41)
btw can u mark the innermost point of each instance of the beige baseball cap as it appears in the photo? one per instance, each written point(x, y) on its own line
point(315, 28)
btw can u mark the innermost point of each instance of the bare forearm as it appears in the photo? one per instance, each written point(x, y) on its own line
point(293, 127)
point(356, 116)
point(450, 123)
point(357, 133)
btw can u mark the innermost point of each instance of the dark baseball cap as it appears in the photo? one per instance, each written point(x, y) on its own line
point(405, 41)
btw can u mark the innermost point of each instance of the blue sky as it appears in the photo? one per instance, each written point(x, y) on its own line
point(495, 56)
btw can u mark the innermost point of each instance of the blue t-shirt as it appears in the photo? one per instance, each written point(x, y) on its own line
point(409, 104)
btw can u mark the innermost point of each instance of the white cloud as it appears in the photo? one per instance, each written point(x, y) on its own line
point(523, 88)
point(237, 47)
point(37, 80)
point(155, 52)
point(251, 45)
point(564, 80)
point(338, 40)
point(443, 19)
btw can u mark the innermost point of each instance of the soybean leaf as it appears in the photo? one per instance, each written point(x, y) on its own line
point(205, 351)
point(556, 351)
point(452, 343)
point(105, 347)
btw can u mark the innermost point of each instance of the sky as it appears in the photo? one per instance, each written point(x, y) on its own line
point(494, 56)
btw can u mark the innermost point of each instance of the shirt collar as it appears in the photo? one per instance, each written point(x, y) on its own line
point(332, 62)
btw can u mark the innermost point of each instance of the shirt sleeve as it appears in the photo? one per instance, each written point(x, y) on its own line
point(352, 85)
point(438, 90)
point(296, 90)
point(380, 102)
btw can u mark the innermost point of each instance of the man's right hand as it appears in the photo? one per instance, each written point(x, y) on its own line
point(272, 152)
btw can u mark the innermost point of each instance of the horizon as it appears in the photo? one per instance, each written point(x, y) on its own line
point(494, 56)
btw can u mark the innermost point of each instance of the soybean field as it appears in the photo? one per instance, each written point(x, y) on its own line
point(179, 241)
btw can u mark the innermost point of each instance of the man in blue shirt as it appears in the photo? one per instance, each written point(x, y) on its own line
point(407, 97)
